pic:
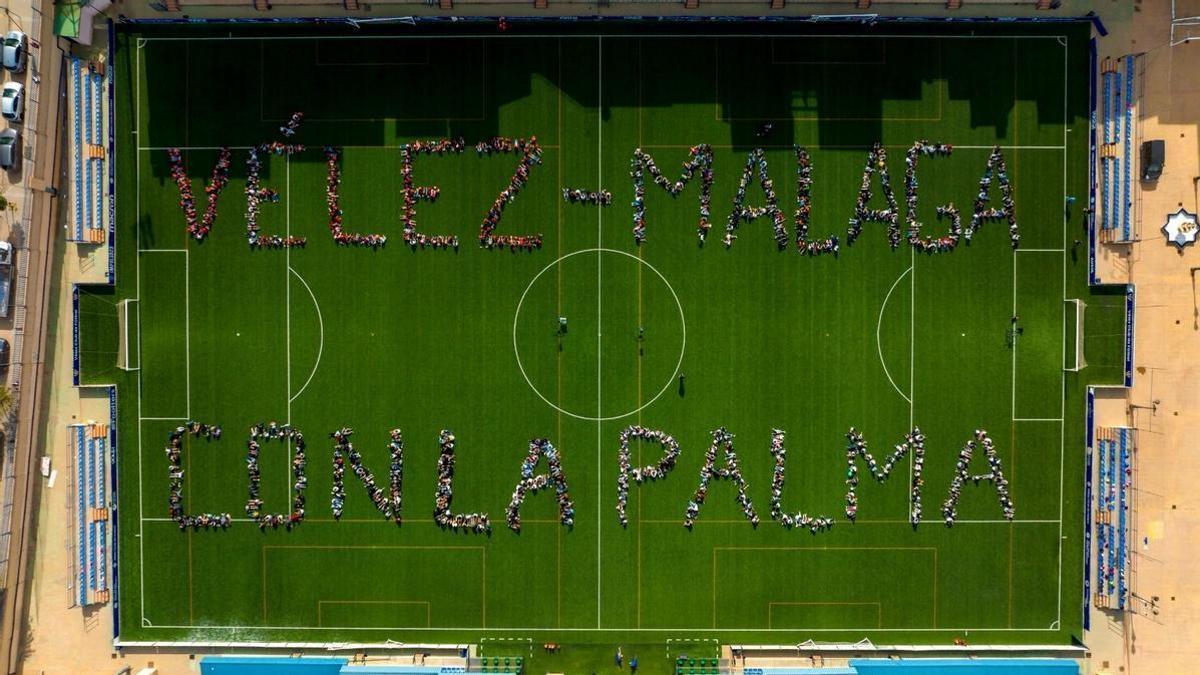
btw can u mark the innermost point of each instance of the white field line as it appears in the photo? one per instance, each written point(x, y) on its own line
point(152, 148)
point(287, 285)
point(599, 312)
point(1062, 148)
point(879, 341)
point(912, 371)
point(672, 629)
point(1015, 342)
point(137, 76)
point(384, 521)
point(321, 329)
point(1062, 429)
point(187, 325)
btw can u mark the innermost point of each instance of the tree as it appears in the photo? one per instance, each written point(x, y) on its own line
point(6, 401)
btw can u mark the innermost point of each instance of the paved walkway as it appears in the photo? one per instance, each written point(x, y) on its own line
point(1162, 633)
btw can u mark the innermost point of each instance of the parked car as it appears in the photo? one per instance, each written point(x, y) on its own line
point(3, 353)
point(12, 101)
point(10, 148)
point(1153, 157)
point(15, 51)
point(6, 272)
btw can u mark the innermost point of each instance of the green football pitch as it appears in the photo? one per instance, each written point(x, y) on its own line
point(327, 336)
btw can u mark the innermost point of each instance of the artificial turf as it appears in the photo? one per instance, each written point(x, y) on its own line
point(875, 338)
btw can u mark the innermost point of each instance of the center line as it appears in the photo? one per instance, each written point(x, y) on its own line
point(599, 302)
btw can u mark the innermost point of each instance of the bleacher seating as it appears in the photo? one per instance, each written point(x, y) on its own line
point(1126, 227)
point(91, 456)
point(88, 152)
point(77, 135)
point(96, 159)
point(1116, 151)
point(81, 515)
point(1112, 498)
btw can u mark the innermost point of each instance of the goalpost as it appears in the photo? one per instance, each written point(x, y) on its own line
point(1076, 361)
point(127, 356)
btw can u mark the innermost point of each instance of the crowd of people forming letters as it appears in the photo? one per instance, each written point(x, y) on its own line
point(256, 195)
point(756, 166)
point(531, 154)
point(388, 503)
point(700, 158)
point(577, 196)
point(284, 433)
point(175, 472)
point(478, 523)
point(721, 438)
point(643, 473)
point(414, 193)
point(856, 448)
point(890, 216)
point(531, 484)
point(995, 475)
point(815, 524)
point(198, 226)
point(388, 500)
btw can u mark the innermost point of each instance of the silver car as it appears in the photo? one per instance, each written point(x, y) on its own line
point(10, 148)
point(12, 101)
point(15, 51)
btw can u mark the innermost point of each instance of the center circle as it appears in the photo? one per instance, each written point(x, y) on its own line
point(592, 327)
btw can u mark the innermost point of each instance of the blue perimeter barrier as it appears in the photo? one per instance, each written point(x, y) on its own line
point(112, 472)
point(112, 179)
point(1092, 57)
point(1087, 509)
point(1130, 294)
point(75, 334)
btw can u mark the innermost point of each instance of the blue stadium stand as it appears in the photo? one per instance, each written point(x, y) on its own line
point(1105, 164)
point(1115, 447)
point(77, 135)
point(931, 666)
point(81, 515)
point(270, 665)
point(98, 114)
point(88, 88)
point(983, 666)
point(1115, 207)
point(1126, 227)
point(91, 455)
